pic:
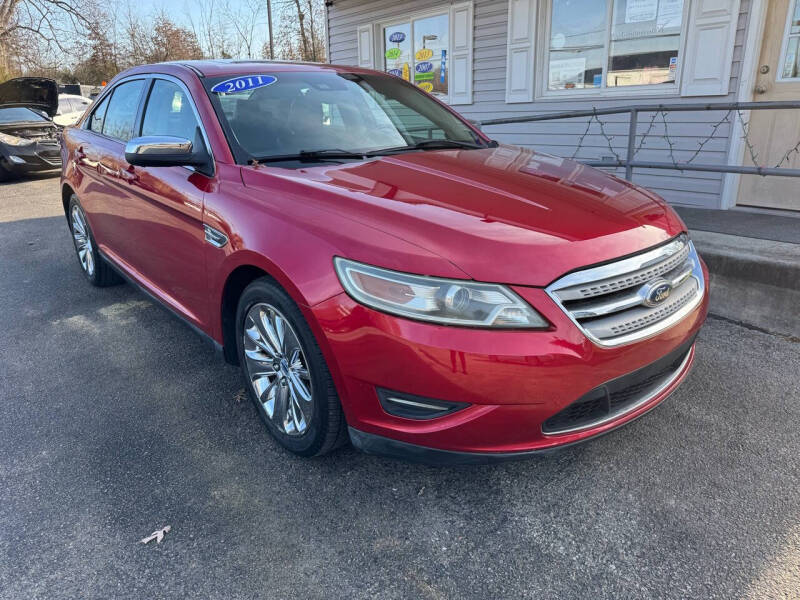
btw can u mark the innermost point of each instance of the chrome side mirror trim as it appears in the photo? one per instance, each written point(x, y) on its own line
point(154, 145)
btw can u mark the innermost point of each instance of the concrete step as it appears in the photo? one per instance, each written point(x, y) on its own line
point(753, 281)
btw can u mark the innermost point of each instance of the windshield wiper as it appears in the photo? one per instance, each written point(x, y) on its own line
point(311, 155)
point(442, 144)
point(336, 153)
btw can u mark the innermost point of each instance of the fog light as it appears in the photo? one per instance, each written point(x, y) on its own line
point(409, 406)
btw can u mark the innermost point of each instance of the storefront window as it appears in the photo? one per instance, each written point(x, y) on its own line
point(640, 47)
point(791, 55)
point(417, 51)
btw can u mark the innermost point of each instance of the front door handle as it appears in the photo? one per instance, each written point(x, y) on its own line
point(104, 168)
point(82, 159)
point(128, 175)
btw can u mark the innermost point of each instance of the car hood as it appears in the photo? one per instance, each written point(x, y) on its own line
point(32, 92)
point(505, 214)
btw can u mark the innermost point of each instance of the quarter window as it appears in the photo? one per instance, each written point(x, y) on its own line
point(121, 112)
point(417, 51)
point(99, 114)
point(613, 43)
point(169, 112)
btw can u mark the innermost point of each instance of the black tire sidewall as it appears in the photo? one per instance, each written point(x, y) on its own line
point(312, 441)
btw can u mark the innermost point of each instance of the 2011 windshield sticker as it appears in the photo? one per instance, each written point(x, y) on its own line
point(241, 84)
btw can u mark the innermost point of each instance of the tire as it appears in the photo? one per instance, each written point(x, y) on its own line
point(94, 267)
point(277, 381)
point(5, 174)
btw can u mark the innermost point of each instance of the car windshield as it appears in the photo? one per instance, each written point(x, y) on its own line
point(19, 114)
point(289, 113)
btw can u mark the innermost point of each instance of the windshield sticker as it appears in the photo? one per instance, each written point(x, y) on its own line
point(241, 84)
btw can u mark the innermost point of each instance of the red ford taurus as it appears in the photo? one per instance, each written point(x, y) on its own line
point(379, 268)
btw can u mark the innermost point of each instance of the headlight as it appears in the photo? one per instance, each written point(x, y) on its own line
point(13, 140)
point(445, 301)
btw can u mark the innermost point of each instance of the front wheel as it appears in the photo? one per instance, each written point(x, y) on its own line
point(285, 373)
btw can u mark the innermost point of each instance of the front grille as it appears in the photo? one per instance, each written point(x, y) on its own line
point(619, 396)
point(611, 304)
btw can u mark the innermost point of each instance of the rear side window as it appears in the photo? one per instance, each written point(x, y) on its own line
point(96, 121)
point(169, 112)
point(121, 112)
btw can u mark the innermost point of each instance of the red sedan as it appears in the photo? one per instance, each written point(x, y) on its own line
point(378, 267)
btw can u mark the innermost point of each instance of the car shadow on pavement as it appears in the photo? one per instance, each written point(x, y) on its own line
point(118, 420)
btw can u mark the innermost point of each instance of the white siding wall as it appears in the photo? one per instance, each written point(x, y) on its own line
point(686, 129)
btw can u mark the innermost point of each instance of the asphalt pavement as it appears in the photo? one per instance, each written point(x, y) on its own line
point(116, 420)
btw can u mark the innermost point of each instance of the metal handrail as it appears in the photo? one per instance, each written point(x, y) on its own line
point(633, 110)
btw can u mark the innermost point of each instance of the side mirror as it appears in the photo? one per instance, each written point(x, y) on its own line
point(167, 151)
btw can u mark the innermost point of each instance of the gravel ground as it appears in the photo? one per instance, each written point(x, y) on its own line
point(118, 420)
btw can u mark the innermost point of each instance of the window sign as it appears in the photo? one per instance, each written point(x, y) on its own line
point(568, 73)
point(577, 41)
point(417, 52)
point(640, 47)
point(431, 39)
point(397, 50)
point(670, 14)
point(637, 11)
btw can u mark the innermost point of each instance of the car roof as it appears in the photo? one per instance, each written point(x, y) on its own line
point(231, 67)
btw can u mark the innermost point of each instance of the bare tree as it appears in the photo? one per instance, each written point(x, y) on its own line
point(34, 29)
point(299, 37)
point(245, 21)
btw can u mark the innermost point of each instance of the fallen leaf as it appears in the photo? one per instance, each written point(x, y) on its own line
point(156, 535)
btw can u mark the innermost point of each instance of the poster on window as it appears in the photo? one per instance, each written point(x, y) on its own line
point(637, 11)
point(567, 73)
point(670, 14)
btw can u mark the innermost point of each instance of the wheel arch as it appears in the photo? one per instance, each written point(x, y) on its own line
point(66, 194)
point(235, 284)
point(242, 271)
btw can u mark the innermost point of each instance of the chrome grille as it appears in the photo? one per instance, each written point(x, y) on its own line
point(610, 303)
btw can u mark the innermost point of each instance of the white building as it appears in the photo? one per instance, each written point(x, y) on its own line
point(502, 58)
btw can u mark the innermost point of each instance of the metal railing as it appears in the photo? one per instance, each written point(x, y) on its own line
point(629, 163)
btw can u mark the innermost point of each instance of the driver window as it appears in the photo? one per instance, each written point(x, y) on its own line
point(169, 112)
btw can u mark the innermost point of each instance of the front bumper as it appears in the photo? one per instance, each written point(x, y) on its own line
point(31, 158)
point(513, 381)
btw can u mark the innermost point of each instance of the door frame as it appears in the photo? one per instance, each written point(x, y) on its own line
point(747, 78)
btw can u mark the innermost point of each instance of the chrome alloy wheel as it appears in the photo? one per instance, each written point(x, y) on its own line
point(83, 243)
point(277, 369)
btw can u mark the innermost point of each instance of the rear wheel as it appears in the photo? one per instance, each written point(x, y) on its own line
point(94, 266)
point(285, 373)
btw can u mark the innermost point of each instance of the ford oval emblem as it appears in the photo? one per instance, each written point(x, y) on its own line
point(397, 37)
point(655, 292)
point(424, 67)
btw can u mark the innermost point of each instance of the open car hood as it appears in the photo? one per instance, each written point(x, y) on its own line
point(32, 92)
